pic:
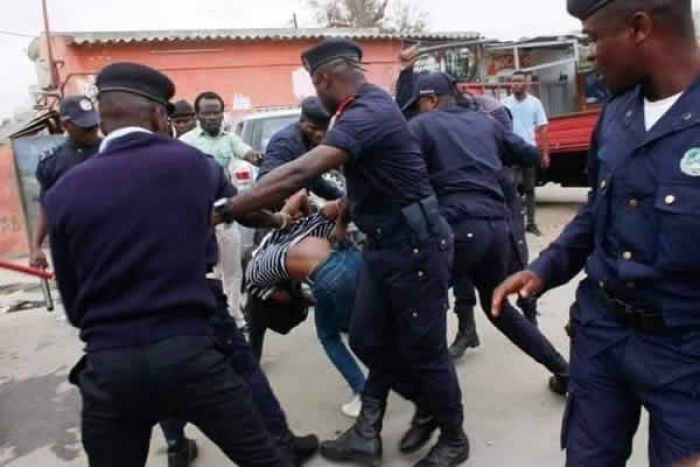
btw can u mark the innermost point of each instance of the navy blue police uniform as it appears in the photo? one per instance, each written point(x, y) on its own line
point(464, 153)
point(129, 231)
point(229, 336)
point(399, 322)
point(635, 324)
point(53, 164)
point(289, 143)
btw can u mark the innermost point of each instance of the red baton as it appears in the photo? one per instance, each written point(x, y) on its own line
point(40, 273)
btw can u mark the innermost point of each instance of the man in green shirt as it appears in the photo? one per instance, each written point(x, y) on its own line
point(211, 138)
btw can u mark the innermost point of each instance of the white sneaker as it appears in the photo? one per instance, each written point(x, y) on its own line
point(352, 408)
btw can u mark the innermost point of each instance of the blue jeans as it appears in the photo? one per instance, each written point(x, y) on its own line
point(334, 285)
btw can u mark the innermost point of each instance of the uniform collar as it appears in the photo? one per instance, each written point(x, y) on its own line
point(121, 132)
point(683, 114)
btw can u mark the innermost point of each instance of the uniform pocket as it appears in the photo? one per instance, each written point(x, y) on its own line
point(678, 209)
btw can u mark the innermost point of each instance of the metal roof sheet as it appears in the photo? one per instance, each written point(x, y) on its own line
point(273, 34)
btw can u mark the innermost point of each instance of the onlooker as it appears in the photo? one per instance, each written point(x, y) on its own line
point(210, 138)
point(183, 118)
point(531, 124)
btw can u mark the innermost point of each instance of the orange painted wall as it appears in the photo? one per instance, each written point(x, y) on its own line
point(13, 232)
point(259, 70)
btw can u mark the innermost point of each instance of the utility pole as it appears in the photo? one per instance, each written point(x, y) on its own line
point(49, 47)
point(294, 21)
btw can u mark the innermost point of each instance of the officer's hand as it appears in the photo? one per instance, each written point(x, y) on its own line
point(524, 283)
point(37, 259)
point(408, 56)
point(282, 220)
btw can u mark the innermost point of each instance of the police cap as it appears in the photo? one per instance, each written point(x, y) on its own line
point(431, 84)
point(138, 79)
point(330, 49)
point(79, 110)
point(582, 9)
point(182, 109)
point(313, 110)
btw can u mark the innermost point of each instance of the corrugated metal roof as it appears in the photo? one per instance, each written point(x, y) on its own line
point(278, 34)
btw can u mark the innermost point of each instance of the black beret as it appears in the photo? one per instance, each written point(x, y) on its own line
point(136, 79)
point(313, 110)
point(328, 50)
point(582, 9)
point(182, 108)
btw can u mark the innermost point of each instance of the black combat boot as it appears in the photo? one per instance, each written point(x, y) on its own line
point(466, 334)
point(422, 427)
point(362, 443)
point(299, 449)
point(451, 450)
point(182, 453)
point(559, 382)
point(529, 308)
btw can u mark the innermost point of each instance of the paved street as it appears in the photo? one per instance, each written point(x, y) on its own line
point(511, 417)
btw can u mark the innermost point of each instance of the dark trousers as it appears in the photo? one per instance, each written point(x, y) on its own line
point(398, 327)
point(482, 252)
point(246, 366)
point(614, 373)
point(126, 391)
point(528, 181)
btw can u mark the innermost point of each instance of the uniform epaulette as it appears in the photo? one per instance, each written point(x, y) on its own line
point(47, 154)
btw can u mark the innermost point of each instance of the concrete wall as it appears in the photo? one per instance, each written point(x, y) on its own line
point(13, 231)
point(247, 74)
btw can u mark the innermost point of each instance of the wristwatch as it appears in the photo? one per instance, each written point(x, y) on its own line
point(222, 208)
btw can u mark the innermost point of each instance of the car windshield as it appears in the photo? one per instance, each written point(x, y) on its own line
point(270, 126)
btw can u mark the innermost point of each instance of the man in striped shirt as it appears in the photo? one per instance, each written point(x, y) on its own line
point(303, 251)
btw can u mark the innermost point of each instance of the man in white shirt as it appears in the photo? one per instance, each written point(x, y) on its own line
point(530, 123)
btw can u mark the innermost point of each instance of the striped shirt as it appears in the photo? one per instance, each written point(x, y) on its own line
point(267, 269)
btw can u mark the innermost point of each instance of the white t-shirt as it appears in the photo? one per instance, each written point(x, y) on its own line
point(653, 111)
point(528, 114)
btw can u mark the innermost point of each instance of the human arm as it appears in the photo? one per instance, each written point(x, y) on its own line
point(297, 205)
point(37, 258)
point(542, 132)
point(406, 80)
point(516, 151)
point(286, 179)
point(241, 150)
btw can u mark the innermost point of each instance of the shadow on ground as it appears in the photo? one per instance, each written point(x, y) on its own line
point(52, 409)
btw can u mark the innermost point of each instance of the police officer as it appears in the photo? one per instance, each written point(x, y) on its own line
point(635, 324)
point(297, 139)
point(464, 151)
point(128, 245)
point(181, 450)
point(183, 118)
point(79, 119)
point(399, 321)
point(463, 288)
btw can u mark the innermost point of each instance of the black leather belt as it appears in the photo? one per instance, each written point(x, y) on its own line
point(642, 320)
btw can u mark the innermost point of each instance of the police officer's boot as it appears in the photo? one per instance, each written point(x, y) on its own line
point(422, 427)
point(559, 381)
point(529, 308)
point(299, 448)
point(182, 453)
point(451, 450)
point(466, 334)
point(362, 443)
